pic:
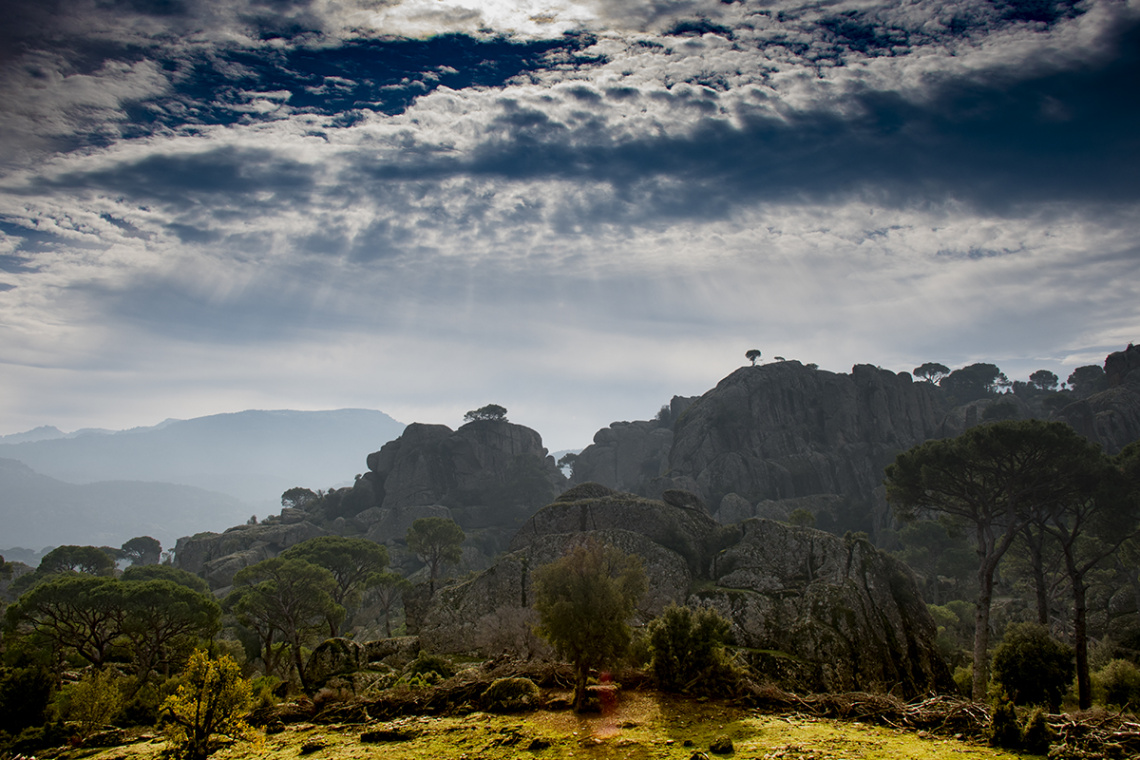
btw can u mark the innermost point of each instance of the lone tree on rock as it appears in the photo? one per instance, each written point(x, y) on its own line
point(752, 355)
point(584, 602)
point(436, 540)
point(931, 372)
point(489, 412)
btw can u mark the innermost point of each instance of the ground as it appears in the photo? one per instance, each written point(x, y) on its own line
point(640, 726)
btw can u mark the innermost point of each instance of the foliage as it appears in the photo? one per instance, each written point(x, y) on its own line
point(95, 701)
point(931, 372)
point(801, 518)
point(429, 667)
point(298, 498)
point(1038, 734)
point(142, 550)
point(492, 412)
point(212, 699)
point(510, 695)
point(353, 562)
point(1032, 667)
point(284, 596)
point(25, 693)
point(1004, 730)
point(1087, 380)
point(384, 589)
point(687, 647)
point(436, 541)
point(993, 478)
point(752, 355)
point(973, 382)
point(162, 617)
point(1118, 683)
point(165, 573)
point(84, 612)
point(1044, 379)
point(584, 601)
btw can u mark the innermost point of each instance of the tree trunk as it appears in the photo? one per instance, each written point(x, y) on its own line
point(1080, 632)
point(580, 687)
point(982, 636)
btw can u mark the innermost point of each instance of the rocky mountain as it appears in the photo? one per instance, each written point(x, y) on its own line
point(252, 456)
point(489, 476)
point(772, 439)
point(815, 611)
point(38, 511)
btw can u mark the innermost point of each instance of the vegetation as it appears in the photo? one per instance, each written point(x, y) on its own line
point(584, 603)
point(688, 650)
point(436, 541)
point(211, 701)
point(752, 355)
point(1033, 668)
point(492, 412)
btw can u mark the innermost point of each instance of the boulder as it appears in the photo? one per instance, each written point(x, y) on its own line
point(1111, 417)
point(217, 557)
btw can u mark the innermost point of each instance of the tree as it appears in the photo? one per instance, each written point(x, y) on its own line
point(352, 562)
point(687, 646)
point(298, 497)
point(287, 596)
point(385, 589)
point(1032, 667)
point(584, 601)
point(973, 382)
point(90, 560)
point(752, 355)
point(1087, 380)
point(212, 699)
point(1044, 380)
point(166, 573)
point(436, 541)
point(988, 478)
point(492, 412)
point(83, 612)
point(142, 550)
point(160, 614)
point(931, 372)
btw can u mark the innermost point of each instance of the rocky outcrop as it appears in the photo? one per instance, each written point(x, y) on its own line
point(1111, 417)
point(218, 557)
point(817, 611)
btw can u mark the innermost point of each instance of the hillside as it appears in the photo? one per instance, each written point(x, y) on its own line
point(251, 456)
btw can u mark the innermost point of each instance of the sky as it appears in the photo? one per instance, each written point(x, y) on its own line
point(573, 209)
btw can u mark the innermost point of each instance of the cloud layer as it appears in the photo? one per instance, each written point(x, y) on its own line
point(572, 209)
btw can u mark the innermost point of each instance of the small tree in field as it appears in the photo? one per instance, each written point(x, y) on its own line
point(436, 541)
point(584, 602)
point(212, 699)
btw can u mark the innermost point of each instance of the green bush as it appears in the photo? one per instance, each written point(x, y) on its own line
point(1038, 734)
point(429, 667)
point(1032, 667)
point(95, 701)
point(25, 694)
point(510, 695)
point(688, 650)
point(1004, 731)
point(1118, 683)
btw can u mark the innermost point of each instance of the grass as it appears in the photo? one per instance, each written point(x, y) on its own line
point(640, 726)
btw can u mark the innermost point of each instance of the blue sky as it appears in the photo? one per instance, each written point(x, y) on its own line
point(572, 209)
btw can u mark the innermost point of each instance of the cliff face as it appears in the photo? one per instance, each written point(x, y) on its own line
point(818, 611)
point(488, 476)
point(1111, 417)
point(777, 437)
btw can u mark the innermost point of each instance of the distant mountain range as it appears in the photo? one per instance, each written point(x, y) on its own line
point(177, 477)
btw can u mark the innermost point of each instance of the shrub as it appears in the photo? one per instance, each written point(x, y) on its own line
point(95, 701)
point(429, 667)
point(688, 652)
point(1004, 731)
point(24, 697)
point(1032, 667)
point(1118, 683)
point(212, 699)
point(1038, 734)
point(510, 695)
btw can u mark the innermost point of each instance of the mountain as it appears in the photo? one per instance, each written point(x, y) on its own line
point(38, 511)
point(251, 456)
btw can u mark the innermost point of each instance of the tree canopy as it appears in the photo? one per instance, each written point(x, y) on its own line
point(752, 355)
point(489, 412)
point(584, 602)
point(436, 541)
point(353, 562)
point(931, 372)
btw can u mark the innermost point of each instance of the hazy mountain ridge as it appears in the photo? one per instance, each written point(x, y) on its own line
point(217, 470)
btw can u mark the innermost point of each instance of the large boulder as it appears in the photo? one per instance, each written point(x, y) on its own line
point(1111, 417)
point(816, 611)
point(217, 557)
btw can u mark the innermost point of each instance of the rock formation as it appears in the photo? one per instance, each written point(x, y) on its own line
point(489, 476)
point(1111, 417)
point(777, 437)
point(816, 611)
